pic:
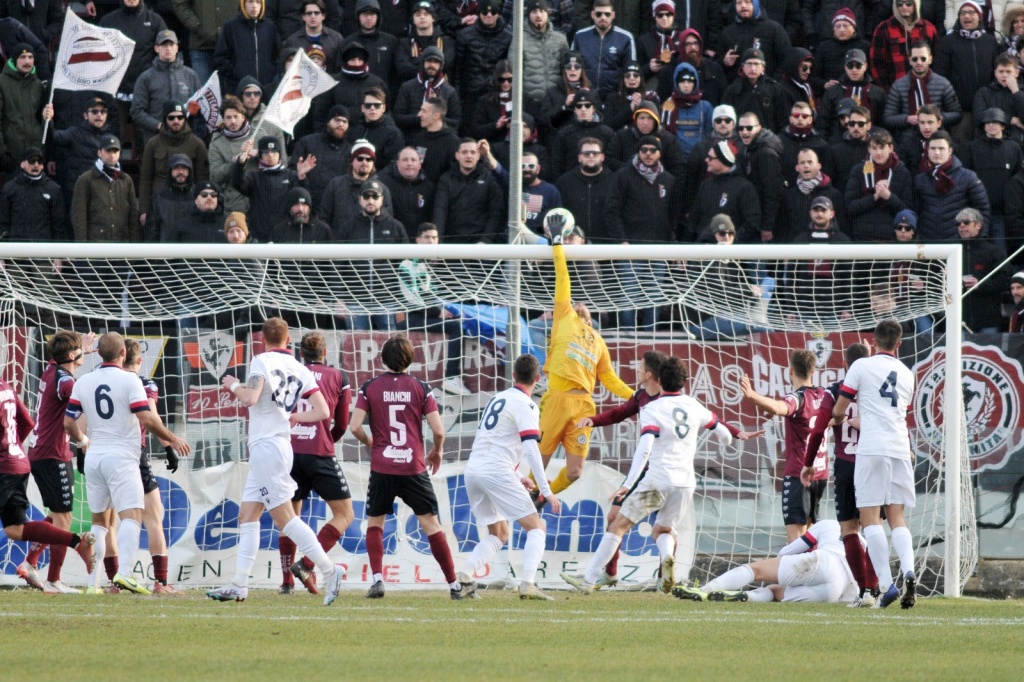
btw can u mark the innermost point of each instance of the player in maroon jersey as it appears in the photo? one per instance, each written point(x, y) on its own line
point(50, 455)
point(15, 425)
point(799, 407)
point(316, 467)
point(396, 405)
point(845, 438)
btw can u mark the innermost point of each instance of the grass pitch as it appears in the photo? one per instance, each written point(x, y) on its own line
point(425, 636)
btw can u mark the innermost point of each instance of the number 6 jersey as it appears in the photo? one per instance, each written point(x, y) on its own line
point(109, 397)
point(285, 381)
point(883, 388)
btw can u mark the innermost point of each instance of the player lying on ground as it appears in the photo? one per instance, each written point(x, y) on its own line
point(668, 437)
point(508, 432)
point(812, 568)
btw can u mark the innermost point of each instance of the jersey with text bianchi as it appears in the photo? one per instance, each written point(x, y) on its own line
point(51, 441)
point(674, 419)
point(883, 388)
point(285, 382)
point(510, 418)
point(395, 405)
point(109, 397)
point(802, 407)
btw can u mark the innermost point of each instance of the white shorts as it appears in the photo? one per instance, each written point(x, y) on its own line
point(817, 577)
point(879, 481)
point(501, 497)
point(671, 502)
point(270, 473)
point(112, 480)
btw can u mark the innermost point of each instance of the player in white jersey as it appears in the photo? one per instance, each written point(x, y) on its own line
point(114, 404)
point(668, 438)
point(884, 477)
point(276, 383)
point(812, 568)
point(509, 429)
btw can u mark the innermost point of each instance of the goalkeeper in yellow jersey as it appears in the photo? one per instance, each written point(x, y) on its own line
point(577, 358)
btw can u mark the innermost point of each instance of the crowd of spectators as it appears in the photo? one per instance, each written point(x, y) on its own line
point(651, 121)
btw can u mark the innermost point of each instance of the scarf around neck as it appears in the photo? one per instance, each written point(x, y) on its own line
point(873, 172)
point(111, 172)
point(808, 186)
point(649, 173)
point(238, 134)
point(917, 94)
point(943, 182)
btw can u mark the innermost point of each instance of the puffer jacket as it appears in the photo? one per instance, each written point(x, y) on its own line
point(941, 93)
point(936, 215)
point(163, 82)
point(543, 54)
point(478, 51)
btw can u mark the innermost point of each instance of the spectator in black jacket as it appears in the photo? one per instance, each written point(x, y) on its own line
point(818, 291)
point(268, 186)
point(491, 115)
point(656, 49)
point(394, 16)
point(981, 257)
point(429, 83)
point(469, 206)
point(142, 25)
point(756, 92)
point(76, 147)
point(585, 123)
point(855, 83)
point(340, 202)
point(944, 190)
point(914, 143)
point(412, 194)
point(851, 149)
point(31, 206)
point(331, 148)
point(531, 144)
point(878, 189)
point(479, 48)
point(167, 199)
point(301, 226)
point(1004, 93)
point(723, 124)
point(761, 163)
point(378, 127)
point(645, 122)
point(44, 18)
point(423, 33)
point(247, 46)
point(311, 30)
point(691, 49)
point(995, 160)
point(831, 52)
point(799, 84)
point(724, 191)
point(752, 28)
point(800, 134)
point(966, 56)
point(809, 184)
point(585, 191)
point(435, 141)
point(381, 46)
point(202, 221)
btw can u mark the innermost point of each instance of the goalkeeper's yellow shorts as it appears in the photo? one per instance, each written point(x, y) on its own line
point(559, 413)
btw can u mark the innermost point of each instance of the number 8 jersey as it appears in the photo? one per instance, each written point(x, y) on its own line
point(883, 388)
point(675, 420)
point(285, 381)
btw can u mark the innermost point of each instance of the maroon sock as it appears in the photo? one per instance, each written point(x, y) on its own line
point(47, 533)
point(286, 546)
point(612, 567)
point(160, 568)
point(110, 566)
point(856, 558)
point(443, 554)
point(327, 537)
point(36, 549)
point(375, 549)
point(57, 554)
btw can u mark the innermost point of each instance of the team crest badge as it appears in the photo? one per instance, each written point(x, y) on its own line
point(216, 351)
point(992, 405)
point(661, 190)
point(724, 199)
point(821, 347)
point(420, 201)
point(757, 43)
point(581, 439)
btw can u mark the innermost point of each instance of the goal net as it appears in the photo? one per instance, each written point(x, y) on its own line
point(197, 310)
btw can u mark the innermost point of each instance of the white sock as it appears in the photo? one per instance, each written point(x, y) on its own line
point(99, 548)
point(760, 594)
point(305, 540)
point(378, 577)
point(248, 544)
point(484, 552)
point(609, 543)
point(878, 552)
point(532, 553)
point(128, 542)
point(903, 543)
point(686, 545)
point(736, 579)
point(666, 546)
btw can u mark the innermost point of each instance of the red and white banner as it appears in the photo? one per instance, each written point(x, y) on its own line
point(303, 81)
point(208, 99)
point(90, 57)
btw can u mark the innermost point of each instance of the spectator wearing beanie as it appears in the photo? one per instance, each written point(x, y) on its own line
point(340, 203)
point(31, 205)
point(685, 114)
point(725, 190)
point(544, 50)
point(430, 82)
point(201, 220)
point(301, 226)
point(586, 122)
point(1017, 293)
point(656, 49)
point(819, 19)
point(331, 147)
point(21, 101)
point(425, 31)
point(236, 228)
point(690, 48)
point(268, 185)
point(175, 137)
point(843, 35)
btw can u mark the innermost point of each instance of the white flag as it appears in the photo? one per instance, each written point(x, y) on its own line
point(208, 99)
point(90, 57)
point(303, 81)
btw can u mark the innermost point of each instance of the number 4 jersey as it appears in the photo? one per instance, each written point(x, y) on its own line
point(285, 380)
point(109, 397)
point(883, 388)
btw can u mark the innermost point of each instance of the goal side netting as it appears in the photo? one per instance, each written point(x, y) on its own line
point(730, 311)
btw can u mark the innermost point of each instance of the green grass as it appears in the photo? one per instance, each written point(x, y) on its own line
point(425, 636)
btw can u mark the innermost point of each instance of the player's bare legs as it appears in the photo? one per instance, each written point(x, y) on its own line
point(794, 530)
point(342, 515)
point(153, 520)
point(609, 544)
point(432, 528)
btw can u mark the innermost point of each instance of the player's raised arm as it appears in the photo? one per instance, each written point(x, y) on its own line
point(766, 404)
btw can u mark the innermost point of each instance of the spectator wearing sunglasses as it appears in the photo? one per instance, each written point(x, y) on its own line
point(586, 123)
point(479, 48)
point(755, 91)
point(174, 138)
point(916, 89)
point(606, 48)
point(855, 83)
point(31, 206)
point(892, 40)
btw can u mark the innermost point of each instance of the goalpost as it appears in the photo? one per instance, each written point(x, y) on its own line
point(197, 309)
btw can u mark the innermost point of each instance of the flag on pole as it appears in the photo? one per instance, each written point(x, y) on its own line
point(90, 57)
point(208, 99)
point(303, 81)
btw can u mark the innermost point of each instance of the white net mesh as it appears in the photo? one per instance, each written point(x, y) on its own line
point(199, 318)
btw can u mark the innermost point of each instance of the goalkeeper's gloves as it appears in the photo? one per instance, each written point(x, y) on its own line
point(80, 460)
point(556, 223)
point(172, 459)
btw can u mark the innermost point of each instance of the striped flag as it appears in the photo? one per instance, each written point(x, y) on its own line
point(90, 57)
point(303, 81)
point(208, 99)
